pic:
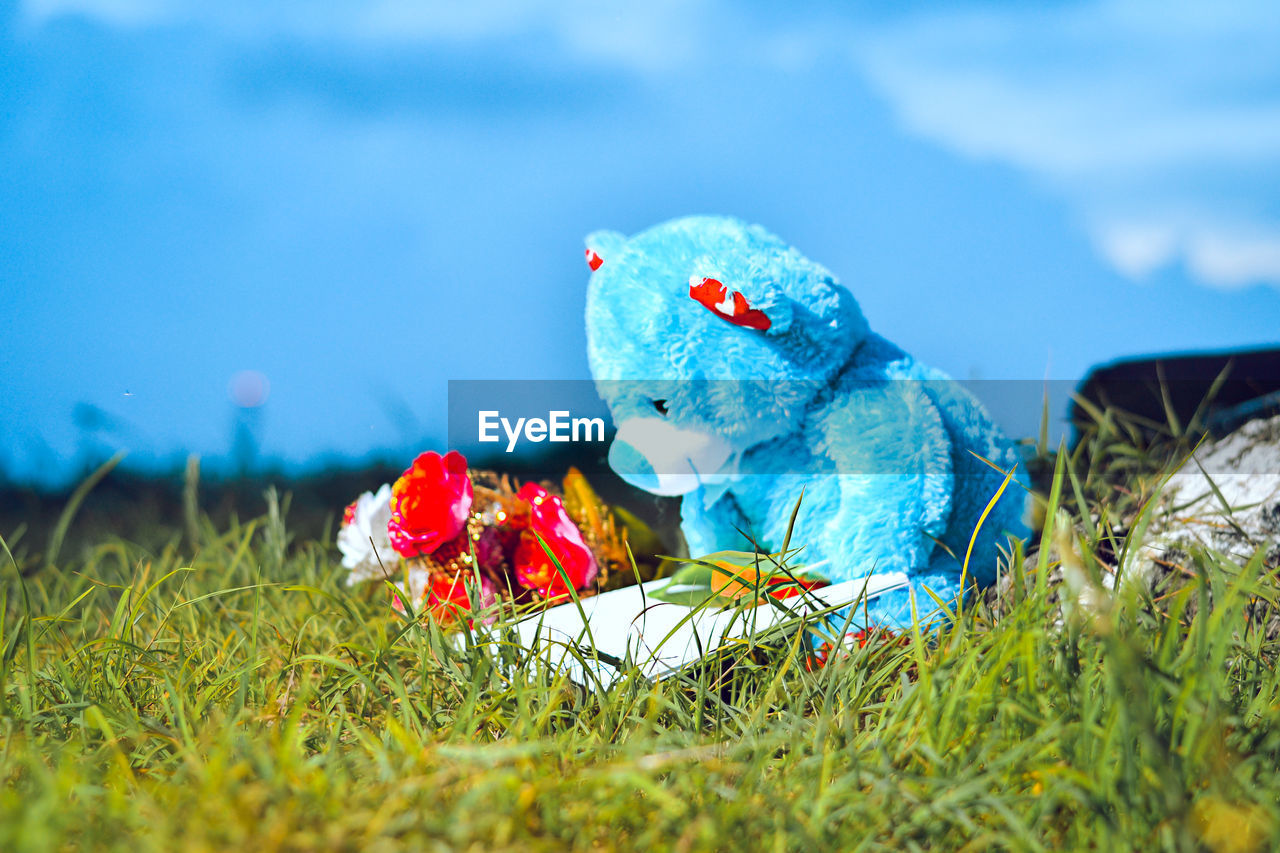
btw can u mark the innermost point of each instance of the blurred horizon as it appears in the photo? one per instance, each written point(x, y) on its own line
point(270, 234)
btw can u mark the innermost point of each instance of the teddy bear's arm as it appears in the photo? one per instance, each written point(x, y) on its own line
point(717, 527)
point(893, 461)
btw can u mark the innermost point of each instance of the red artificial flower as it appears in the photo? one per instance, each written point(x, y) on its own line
point(429, 503)
point(822, 655)
point(447, 597)
point(534, 569)
point(443, 596)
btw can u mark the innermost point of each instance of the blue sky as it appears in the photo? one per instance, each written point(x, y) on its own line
point(361, 201)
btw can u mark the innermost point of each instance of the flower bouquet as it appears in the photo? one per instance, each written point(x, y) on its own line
point(443, 534)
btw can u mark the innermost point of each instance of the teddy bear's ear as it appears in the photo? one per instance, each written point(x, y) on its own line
point(602, 245)
point(769, 311)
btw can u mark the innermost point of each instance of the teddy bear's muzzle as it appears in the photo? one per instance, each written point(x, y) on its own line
point(663, 459)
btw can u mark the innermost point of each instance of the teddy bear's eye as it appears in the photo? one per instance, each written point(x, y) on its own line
point(661, 407)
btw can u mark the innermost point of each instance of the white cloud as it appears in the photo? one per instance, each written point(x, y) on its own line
point(1235, 257)
point(1157, 120)
point(1154, 118)
point(1137, 249)
point(1225, 254)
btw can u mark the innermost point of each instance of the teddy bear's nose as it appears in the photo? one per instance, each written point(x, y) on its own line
point(631, 466)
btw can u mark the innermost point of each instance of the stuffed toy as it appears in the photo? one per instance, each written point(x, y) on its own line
point(739, 373)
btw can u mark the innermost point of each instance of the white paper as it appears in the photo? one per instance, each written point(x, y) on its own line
point(660, 637)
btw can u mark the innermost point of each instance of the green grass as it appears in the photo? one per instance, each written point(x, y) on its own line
point(234, 694)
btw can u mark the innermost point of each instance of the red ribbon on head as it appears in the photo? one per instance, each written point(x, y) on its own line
point(594, 260)
point(735, 308)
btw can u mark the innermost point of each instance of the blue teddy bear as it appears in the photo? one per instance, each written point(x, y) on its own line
point(739, 373)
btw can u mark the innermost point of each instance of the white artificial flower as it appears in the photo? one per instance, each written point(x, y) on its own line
point(366, 549)
point(414, 586)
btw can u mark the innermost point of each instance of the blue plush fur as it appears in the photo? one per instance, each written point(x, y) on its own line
point(896, 461)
